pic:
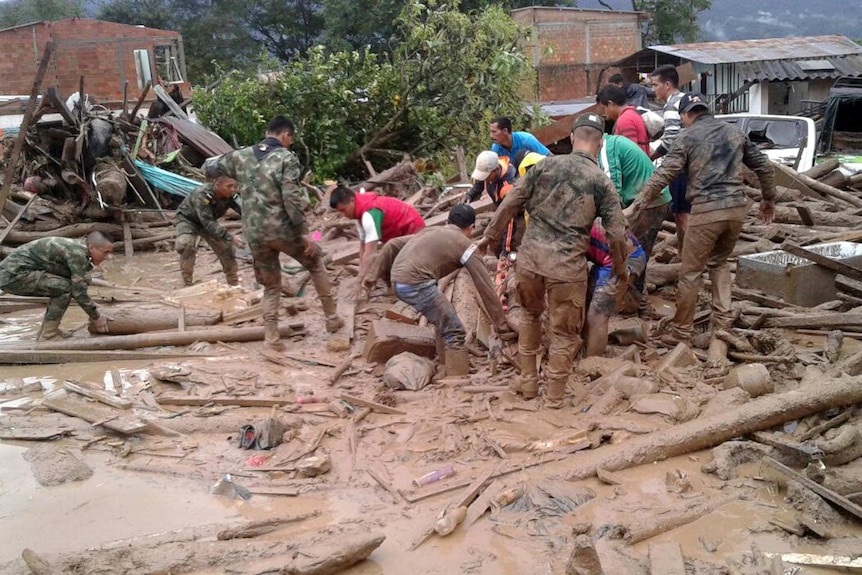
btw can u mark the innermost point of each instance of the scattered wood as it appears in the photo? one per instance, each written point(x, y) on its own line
point(830, 320)
point(667, 521)
point(384, 484)
point(45, 357)
point(91, 413)
point(378, 407)
point(832, 348)
point(340, 369)
point(824, 492)
point(175, 338)
point(98, 395)
point(40, 434)
point(839, 419)
point(334, 556)
point(257, 528)
point(233, 401)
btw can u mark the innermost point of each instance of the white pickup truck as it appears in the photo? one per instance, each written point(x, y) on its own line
point(780, 137)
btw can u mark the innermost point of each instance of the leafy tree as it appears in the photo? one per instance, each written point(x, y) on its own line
point(672, 21)
point(287, 28)
point(448, 74)
point(17, 12)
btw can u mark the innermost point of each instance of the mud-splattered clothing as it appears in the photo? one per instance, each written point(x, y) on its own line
point(58, 268)
point(198, 215)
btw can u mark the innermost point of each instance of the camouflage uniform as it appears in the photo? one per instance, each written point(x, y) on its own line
point(58, 268)
point(563, 195)
point(713, 152)
point(197, 216)
point(273, 222)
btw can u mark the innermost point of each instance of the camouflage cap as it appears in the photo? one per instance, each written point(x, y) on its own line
point(590, 120)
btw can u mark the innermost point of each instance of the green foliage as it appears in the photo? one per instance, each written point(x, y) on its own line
point(447, 76)
point(673, 21)
point(17, 12)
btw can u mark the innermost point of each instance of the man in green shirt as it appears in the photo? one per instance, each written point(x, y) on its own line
point(629, 168)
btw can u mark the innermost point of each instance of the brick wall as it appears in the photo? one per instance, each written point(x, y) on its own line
point(570, 47)
point(102, 52)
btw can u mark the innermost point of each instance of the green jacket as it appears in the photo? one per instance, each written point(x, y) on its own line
point(62, 257)
point(629, 168)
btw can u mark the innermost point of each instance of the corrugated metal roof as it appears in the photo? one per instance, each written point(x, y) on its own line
point(739, 51)
point(776, 70)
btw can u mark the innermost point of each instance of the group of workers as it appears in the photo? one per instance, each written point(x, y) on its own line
point(575, 231)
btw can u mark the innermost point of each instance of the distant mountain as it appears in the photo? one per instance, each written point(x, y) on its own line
point(744, 19)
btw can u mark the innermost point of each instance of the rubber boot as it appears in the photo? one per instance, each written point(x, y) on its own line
point(457, 362)
point(232, 278)
point(559, 370)
point(528, 348)
point(272, 337)
point(187, 280)
point(51, 330)
point(555, 393)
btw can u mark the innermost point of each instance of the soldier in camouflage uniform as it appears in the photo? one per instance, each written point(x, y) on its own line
point(58, 268)
point(713, 152)
point(273, 219)
point(197, 216)
point(563, 195)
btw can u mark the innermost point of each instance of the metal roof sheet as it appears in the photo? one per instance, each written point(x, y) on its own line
point(776, 70)
point(739, 51)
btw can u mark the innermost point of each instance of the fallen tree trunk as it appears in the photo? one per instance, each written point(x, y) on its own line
point(258, 528)
point(128, 320)
point(334, 557)
point(650, 527)
point(758, 415)
point(819, 186)
point(789, 215)
point(820, 170)
point(175, 338)
point(114, 231)
point(46, 357)
point(662, 274)
point(831, 320)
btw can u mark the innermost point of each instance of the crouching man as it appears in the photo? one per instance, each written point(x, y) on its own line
point(416, 263)
point(609, 295)
point(57, 268)
point(198, 216)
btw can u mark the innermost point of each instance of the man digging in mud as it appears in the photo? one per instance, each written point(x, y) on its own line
point(712, 152)
point(273, 220)
point(58, 268)
point(563, 195)
point(415, 264)
point(198, 216)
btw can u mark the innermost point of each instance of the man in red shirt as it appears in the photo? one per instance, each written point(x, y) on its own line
point(627, 120)
point(380, 219)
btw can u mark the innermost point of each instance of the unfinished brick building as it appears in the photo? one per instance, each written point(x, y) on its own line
point(570, 47)
point(106, 54)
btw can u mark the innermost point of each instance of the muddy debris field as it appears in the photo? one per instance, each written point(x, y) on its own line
point(180, 444)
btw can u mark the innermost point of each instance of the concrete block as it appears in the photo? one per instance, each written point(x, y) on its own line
point(681, 356)
point(389, 338)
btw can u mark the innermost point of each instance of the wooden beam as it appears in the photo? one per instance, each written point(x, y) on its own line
point(233, 401)
point(378, 407)
point(98, 395)
point(47, 357)
point(824, 492)
point(830, 320)
point(821, 260)
point(25, 124)
point(92, 413)
point(140, 101)
point(169, 102)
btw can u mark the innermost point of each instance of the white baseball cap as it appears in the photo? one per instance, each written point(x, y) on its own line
point(486, 163)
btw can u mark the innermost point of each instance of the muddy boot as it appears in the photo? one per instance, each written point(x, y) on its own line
point(187, 280)
point(232, 278)
point(457, 362)
point(334, 323)
point(272, 337)
point(555, 393)
point(528, 348)
point(51, 330)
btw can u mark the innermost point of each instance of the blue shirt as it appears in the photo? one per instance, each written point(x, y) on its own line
point(521, 141)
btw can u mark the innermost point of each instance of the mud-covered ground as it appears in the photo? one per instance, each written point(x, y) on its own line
point(159, 482)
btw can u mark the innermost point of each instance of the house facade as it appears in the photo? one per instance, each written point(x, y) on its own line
point(108, 56)
point(764, 76)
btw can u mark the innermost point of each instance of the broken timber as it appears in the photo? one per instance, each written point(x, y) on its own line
point(820, 490)
point(829, 320)
point(821, 260)
point(231, 401)
point(164, 338)
point(379, 407)
point(92, 413)
point(98, 395)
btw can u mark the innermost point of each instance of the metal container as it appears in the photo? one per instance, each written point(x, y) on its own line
point(794, 279)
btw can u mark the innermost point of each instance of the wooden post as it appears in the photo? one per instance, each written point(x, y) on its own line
point(25, 123)
point(128, 246)
point(140, 101)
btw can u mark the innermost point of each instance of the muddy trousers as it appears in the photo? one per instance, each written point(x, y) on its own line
point(566, 318)
point(646, 230)
point(427, 299)
point(186, 246)
point(707, 246)
point(267, 271)
point(41, 284)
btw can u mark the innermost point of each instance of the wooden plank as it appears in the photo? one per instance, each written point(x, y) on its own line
point(46, 357)
point(821, 260)
point(235, 401)
point(16, 219)
point(837, 561)
point(252, 313)
point(805, 214)
point(140, 101)
point(127, 425)
point(820, 490)
point(384, 484)
point(32, 102)
point(665, 558)
point(99, 395)
point(40, 434)
point(378, 407)
point(169, 102)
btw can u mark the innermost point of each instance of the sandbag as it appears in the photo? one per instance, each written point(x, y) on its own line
point(408, 371)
